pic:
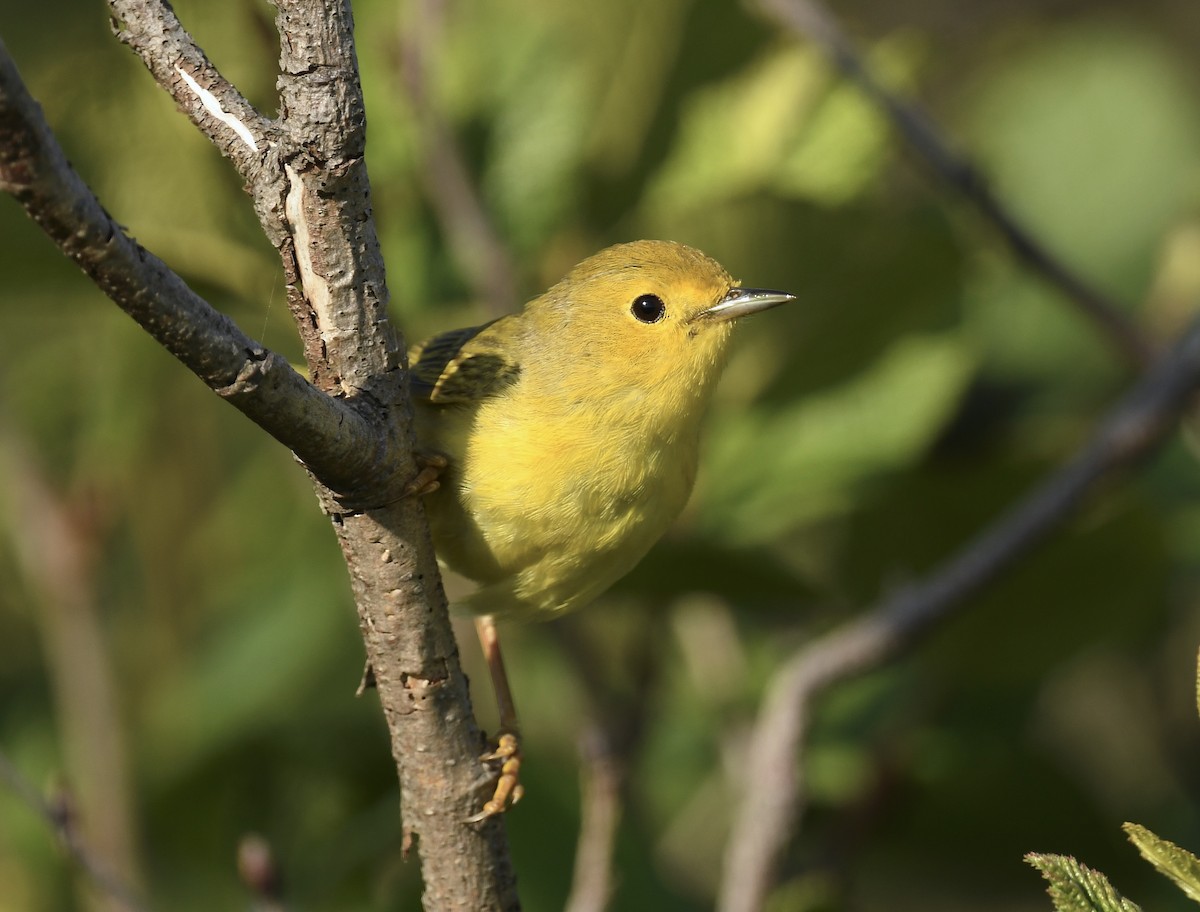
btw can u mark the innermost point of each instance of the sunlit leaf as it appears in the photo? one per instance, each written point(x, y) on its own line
point(787, 125)
point(1178, 864)
point(1075, 888)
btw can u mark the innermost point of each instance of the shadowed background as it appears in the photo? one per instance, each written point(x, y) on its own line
point(178, 647)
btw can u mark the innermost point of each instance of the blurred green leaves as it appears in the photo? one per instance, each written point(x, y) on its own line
point(921, 382)
point(1091, 134)
point(787, 126)
point(770, 471)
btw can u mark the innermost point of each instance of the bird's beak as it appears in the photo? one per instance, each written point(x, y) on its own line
point(740, 302)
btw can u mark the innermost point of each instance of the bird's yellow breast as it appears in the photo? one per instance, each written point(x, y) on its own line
point(551, 501)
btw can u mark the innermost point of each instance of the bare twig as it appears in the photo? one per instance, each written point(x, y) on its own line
point(603, 776)
point(774, 793)
point(212, 103)
point(809, 18)
point(609, 743)
point(472, 237)
point(56, 546)
point(57, 813)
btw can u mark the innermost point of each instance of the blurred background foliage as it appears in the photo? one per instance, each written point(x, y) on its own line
point(177, 641)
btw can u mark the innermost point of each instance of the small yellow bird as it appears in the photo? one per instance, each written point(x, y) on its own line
point(570, 431)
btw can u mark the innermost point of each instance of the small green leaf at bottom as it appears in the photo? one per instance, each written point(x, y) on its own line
point(1076, 888)
point(1178, 864)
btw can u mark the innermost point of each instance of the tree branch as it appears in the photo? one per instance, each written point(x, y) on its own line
point(313, 199)
point(612, 735)
point(337, 291)
point(808, 18)
point(338, 444)
point(213, 104)
point(603, 775)
point(55, 539)
point(774, 794)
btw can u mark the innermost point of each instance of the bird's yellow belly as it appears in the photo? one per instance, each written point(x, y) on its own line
point(564, 518)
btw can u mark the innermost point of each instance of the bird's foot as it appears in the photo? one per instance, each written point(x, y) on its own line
point(430, 465)
point(508, 789)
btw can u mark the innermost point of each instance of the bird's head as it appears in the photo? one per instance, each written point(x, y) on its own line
point(647, 318)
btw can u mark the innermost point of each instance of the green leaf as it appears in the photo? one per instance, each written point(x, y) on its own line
point(1076, 888)
point(784, 125)
point(1178, 864)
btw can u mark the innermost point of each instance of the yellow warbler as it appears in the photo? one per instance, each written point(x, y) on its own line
point(571, 429)
point(568, 436)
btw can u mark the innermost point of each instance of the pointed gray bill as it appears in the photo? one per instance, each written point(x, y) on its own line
point(740, 302)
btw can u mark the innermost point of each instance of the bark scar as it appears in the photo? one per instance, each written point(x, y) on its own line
point(213, 106)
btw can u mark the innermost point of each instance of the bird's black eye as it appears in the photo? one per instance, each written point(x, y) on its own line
point(648, 308)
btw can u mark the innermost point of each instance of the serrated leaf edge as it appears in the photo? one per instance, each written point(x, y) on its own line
point(1180, 865)
point(1074, 887)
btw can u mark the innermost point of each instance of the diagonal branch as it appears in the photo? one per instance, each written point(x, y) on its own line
point(214, 105)
point(809, 18)
point(56, 542)
point(774, 797)
point(331, 438)
point(314, 202)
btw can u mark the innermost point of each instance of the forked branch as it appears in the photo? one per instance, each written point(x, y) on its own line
point(351, 426)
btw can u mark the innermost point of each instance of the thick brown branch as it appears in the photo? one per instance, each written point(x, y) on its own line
point(334, 266)
point(214, 105)
point(313, 199)
point(338, 294)
point(329, 436)
point(774, 793)
point(809, 18)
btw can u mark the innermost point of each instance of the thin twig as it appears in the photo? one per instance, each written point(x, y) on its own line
point(774, 794)
point(603, 777)
point(472, 237)
point(609, 744)
point(809, 18)
point(56, 544)
point(215, 106)
point(58, 816)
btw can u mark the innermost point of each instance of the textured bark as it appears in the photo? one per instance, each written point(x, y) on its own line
point(351, 426)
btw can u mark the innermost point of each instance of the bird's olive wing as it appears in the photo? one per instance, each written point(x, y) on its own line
point(462, 365)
